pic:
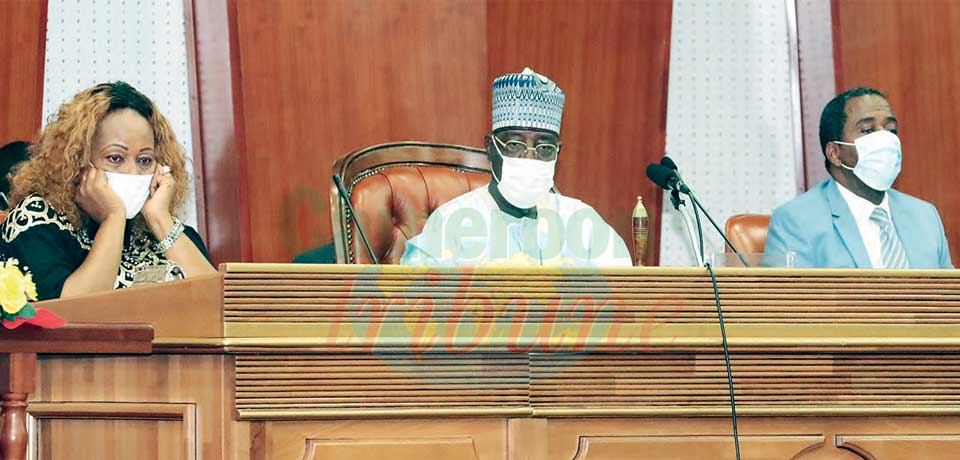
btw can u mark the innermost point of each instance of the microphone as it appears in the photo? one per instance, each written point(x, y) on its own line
point(666, 161)
point(666, 178)
point(346, 198)
point(675, 194)
point(666, 175)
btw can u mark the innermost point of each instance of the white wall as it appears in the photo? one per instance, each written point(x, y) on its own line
point(733, 112)
point(142, 42)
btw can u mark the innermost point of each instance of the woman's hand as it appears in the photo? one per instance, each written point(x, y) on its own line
point(98, 272)
point(156, 211)
point(96, 198)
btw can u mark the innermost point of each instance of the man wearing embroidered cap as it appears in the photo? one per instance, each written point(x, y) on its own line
point(517, 219)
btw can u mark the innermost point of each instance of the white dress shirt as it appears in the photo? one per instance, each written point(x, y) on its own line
point(471, 230)
point(862, 209)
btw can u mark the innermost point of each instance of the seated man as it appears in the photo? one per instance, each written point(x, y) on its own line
point(517, 219)
point(854, 219)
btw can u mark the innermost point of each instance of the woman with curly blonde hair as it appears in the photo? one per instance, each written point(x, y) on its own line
point(97, 199)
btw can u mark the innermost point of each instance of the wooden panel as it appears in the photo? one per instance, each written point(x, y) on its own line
point(165, 392)
point(611, 60)
point(527, 438)
point(654, 384)
point(265, 294)
point(455, 438)
point(781, 380)
point(221, 129)
point(288, 386)
point(178, 309)
point(111, 439)
point(453, 448)
point(679, 447)
point(22, 50)
point(323, 78)
point(114, 430)
point(803, 438)
point(817, 80)
point(79, 338)
point(800, 438)
point(236, 438)
point(196, 135)
point(803, 341)
point(911, 51)
point(899, 446)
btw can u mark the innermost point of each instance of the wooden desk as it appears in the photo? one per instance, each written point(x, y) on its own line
point(18, 363)
point(301, 362)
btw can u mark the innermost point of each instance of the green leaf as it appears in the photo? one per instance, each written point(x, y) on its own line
point(27, 312)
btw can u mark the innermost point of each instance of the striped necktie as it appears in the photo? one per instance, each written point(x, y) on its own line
point(891, 251)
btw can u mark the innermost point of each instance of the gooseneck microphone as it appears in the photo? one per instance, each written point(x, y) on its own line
point(668, 177)
point(674, 194)
point(670, 180)
point(346, 199)
point(668, 162)
point(675, 197)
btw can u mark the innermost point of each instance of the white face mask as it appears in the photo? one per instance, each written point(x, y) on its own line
point(879, 158)
point(524, 180)
point(133, 190)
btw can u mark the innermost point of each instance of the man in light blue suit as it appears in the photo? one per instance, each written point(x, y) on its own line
point(854, 219)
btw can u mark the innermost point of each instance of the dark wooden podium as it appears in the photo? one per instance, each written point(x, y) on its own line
point(18, 366)
point(384, 362)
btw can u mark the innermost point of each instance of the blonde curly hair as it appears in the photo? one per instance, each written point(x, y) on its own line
point(65, 146)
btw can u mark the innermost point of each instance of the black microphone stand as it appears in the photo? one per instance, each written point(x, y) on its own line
point(697, 204)
point(677, 186)
point(716, 296)
point(677, 204)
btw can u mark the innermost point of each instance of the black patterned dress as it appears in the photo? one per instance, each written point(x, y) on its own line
point(46, 244)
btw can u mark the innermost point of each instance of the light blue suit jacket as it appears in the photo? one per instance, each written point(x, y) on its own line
point(820, 228)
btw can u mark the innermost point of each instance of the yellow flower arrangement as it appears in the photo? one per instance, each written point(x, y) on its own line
point(16, 287)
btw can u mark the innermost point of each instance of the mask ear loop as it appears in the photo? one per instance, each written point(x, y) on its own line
point(493, 171)
point(841, 161)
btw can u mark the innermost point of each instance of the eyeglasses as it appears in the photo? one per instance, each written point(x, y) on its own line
point(515, 149)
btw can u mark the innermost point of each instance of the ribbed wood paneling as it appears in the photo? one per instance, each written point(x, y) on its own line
point(343, 341)
point(827, 380)
point(643, 296)
point(403, 381)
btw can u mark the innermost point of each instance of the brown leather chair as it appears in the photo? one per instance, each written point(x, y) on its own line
point(748, 232)
point(394, 188)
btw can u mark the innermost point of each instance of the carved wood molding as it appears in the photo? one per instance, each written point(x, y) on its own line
point(184, 413)
point(459, 448)
point(898, 446)
point(696, 446)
